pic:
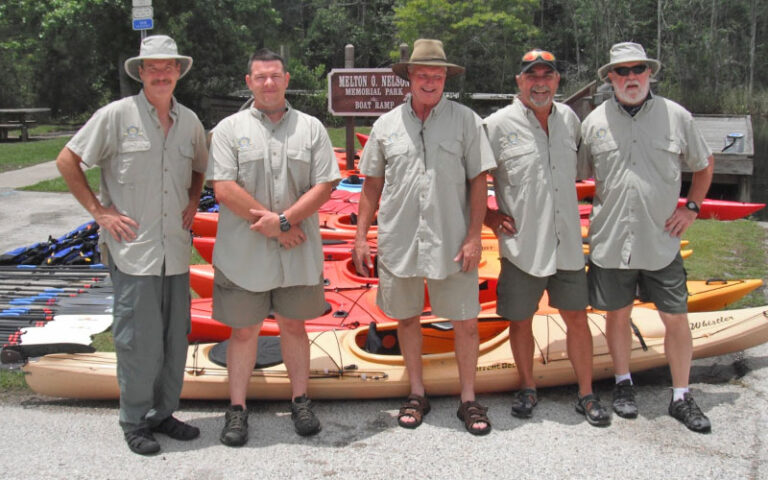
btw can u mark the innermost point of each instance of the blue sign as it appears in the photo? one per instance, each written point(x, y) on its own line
point(143, 24)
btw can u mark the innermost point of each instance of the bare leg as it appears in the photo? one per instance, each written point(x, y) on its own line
point(409, 337)
point(619, 336)
point(521, 343)
point(241, 358)
point(579, 343)
point(466, 344)
point(678, 347)
point(294, 345)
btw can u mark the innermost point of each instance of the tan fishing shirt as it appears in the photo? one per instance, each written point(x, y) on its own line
point(424, 211)
point(276, 163)
point(535, 185)
point(147, 176)
point(636, 165)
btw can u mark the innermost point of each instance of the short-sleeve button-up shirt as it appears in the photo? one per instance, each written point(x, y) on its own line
point(276, 163)
point(146, 175)
point(636, 165)
point(424, 212)
point(535, 185)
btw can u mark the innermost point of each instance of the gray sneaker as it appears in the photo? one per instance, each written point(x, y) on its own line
point(304, 420)
point(690, 414)
point(235, 432)
point(624, 399)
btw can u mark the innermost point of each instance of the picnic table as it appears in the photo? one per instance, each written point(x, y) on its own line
point(19, 119)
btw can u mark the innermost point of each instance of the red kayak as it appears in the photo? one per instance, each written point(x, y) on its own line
point(710, 209)
point(333, 249)
point(362, 138)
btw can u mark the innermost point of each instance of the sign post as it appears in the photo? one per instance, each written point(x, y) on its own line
point(143, 16)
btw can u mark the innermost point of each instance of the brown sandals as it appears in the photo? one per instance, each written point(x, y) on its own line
point(416, 407)
point(472, 413)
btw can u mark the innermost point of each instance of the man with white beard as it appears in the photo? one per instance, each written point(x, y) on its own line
point(633, 144)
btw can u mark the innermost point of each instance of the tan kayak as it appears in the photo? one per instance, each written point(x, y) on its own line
point(342, 369)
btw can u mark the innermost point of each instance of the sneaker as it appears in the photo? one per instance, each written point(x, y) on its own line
point(589, 406)
point(304, 420)
point(624, 399)
point(690, 414)
point(235, 432)
point(142, 441)
point(523, 403)
point(176, 429)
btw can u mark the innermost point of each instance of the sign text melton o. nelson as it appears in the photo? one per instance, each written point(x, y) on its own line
point(364, 91)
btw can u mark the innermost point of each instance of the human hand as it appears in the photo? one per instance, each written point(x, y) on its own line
point(361, 257)
point(267, 223)
point(121, 227)
point(292, 238)
point(188, 214)
point(678, 223)
point(470, 253)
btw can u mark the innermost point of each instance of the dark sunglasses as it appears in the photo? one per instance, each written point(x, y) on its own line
point(624, 71)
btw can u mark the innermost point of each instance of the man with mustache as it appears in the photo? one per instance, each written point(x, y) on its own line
point(534, 140)
point(426, 160)
point(153, 156)
point(633, 145)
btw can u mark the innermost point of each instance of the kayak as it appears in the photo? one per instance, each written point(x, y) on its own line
point(338, 249)
point(362, 138)
point(710, 209)
point(365, 362)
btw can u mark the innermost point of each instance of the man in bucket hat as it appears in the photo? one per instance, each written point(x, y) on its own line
point(426, 160)
point(633, 145)
point(152, 155)
point(535, 140)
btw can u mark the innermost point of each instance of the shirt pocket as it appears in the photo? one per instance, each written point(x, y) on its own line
point(665, 159)
point(605, 155)
point(184, 165)
point(249, 164)
point(129, 165)
point(517, 162)
point(396, 157)
point(451, 167)
point(299, 167)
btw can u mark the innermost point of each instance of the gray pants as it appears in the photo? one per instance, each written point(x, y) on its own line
point(150, 327)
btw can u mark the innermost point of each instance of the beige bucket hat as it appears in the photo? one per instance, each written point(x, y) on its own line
point(430, 53)
point(157, 47)
point(627, 52)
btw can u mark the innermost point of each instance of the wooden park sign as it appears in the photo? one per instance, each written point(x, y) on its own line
point(365, 92)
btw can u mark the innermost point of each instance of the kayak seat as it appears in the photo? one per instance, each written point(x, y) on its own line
point(268, 353)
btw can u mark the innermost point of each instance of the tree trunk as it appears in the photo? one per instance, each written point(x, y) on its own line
point(752, 41)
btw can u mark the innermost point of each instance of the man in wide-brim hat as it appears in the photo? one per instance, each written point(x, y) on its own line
point(153, 155)
point(634, 144)
point(426, 160)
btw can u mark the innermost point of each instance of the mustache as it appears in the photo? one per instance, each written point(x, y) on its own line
point(161, 82)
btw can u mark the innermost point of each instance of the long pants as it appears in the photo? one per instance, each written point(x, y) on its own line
point(150, 327)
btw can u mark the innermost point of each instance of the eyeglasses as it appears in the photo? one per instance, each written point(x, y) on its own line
point(624, 71)
point(534, 54)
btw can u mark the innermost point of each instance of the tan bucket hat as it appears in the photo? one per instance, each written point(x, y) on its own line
point(157, 47)
point(627, 52)
point(430, 53)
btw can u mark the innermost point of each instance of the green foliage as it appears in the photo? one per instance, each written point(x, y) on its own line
point(12, 380)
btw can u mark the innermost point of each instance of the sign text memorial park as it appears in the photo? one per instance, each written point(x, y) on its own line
point(364, 92)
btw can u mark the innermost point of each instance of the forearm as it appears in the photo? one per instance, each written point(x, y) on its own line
point(308, 203)
point(235, 198)
point(68, 164)
point(196, 186)
point(478, 204)
point(369, 202)
point(700, 182)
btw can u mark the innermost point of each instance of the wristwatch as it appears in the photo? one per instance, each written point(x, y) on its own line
point(691, 205)
point(285, 225)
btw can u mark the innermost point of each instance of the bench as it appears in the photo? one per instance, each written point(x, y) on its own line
point(16, 125)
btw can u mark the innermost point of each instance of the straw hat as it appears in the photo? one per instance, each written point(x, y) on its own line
point(429, 53)
point(157, 47)
point(627, 52)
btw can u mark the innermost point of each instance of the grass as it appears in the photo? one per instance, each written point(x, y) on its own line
point(339, 136)
point(12, 380)
point(14, 155)
point(58, 184)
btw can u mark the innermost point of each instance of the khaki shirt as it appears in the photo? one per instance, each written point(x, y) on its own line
point(535, 185)
point(276, 163)
point(424, 212)
point(147, 176)
point(636, 165)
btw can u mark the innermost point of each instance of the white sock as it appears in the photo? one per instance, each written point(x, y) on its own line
point(624, 376)
point(678, 393)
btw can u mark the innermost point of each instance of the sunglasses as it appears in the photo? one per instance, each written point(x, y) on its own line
point(534, 54)
point(624, 71)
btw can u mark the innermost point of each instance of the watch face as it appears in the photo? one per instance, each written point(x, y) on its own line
point(284, 227)
point(692, 206)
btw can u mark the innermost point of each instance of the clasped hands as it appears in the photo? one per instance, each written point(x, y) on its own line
point(268, 224)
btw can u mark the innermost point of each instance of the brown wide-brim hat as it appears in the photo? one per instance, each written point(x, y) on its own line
point(628, 52)
point(429, 53)
point(157, 47)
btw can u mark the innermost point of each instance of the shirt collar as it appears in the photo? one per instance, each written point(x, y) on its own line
point(635, 110)
point(174, 111)
point(529, 112)
point(258, 114)
point(434, 112)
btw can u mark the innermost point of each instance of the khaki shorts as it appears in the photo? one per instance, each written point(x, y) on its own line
point(240, 308)
point(455, 297)
point(613, 288)
point(518, 293)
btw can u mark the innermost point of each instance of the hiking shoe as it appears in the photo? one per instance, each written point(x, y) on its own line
point(523, 403)
point(235, 432)
point(624, 399)
point(304, 420)
point(589, 406)
point(176, 429)
point(142, 441)
point(690, 414)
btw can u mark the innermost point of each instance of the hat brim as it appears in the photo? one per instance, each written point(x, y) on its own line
point(401, 69)
point(603, 71)
point(132, 64)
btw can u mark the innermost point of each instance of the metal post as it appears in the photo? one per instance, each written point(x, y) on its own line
point(403, 52)
point(349, 62)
